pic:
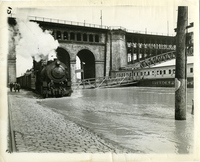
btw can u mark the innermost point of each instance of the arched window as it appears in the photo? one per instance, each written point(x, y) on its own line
point(90, 38)
point(84, 37)
point(78, 36)
point(96, 38)
point(72, 36)
point(58, 35)
point(65, 36)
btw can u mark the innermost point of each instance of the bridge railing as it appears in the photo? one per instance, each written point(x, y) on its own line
point(103, 82)
point(148, 32)
point(153, 60)
point(67, 22)
point(36, 18)
point(117, 27)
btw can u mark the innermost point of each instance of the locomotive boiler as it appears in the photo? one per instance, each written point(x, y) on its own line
point(53, 79)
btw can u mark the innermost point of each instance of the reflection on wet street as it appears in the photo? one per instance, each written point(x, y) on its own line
point(134, 117)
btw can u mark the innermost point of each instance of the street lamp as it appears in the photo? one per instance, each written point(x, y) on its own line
point(83, 63)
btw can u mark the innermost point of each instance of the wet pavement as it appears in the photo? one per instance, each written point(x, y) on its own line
point(137, 120)
point(39, 129)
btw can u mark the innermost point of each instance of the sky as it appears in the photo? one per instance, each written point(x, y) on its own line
point(152, 19)
point(155, 19)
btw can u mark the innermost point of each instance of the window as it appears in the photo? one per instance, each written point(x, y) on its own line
point(90, 38)
point(174, 71)
point(148, 73)
point(65, 35)
point(191, 70)
point(58, 35)
point(96, 38)
point(164, 72)
point(84, 37)
point(160, 72)
point(157, 72)
point(170, 71)
point(78, 36)
point(141, 73)
point(72, 36)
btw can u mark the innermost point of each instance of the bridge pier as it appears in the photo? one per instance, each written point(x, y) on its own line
point(119, 49)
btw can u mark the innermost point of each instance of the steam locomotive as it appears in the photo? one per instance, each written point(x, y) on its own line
point(49, 79)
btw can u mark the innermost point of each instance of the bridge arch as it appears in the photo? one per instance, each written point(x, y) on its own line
point(87, 63)
point(64, 57)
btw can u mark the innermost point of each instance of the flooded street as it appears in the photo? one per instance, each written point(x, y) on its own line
point(138, 118)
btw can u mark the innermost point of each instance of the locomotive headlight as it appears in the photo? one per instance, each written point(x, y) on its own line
point(57, 63)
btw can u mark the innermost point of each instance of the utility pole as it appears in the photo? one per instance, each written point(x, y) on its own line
point(181, 64)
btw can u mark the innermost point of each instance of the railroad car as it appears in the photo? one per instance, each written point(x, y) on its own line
point(156, 76)
point(27, 81)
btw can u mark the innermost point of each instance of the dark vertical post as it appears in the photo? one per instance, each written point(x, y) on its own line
point(132, 50)
point(138, 50)
point(180, 76)
point(110, 52)
point(105, 53)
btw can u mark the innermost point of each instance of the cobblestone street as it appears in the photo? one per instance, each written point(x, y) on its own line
point(39, 129)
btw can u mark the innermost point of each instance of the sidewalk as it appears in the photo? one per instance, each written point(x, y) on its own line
point(39, 129)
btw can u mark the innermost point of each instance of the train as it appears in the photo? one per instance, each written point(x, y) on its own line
point(163, 76)
point(48, 78)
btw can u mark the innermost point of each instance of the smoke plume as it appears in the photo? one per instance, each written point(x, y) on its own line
point(33, 42)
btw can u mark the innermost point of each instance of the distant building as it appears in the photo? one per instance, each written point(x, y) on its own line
point(11, 66)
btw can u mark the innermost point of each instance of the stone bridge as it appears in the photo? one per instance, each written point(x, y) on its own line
point(102, 49)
